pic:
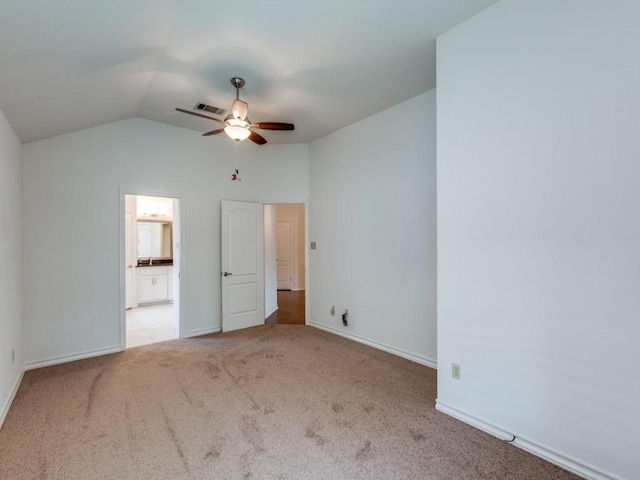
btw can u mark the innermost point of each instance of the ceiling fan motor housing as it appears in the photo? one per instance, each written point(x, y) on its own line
point(239, 109)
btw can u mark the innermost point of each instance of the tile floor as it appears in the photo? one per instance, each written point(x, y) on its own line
point(150, 324)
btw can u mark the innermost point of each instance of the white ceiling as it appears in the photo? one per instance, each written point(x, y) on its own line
point(66, 65)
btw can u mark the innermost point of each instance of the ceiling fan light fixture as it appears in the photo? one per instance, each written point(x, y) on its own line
point(239, 109)
point(237, 129)
point(237, 133)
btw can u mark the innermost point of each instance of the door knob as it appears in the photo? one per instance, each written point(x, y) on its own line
point(226, 274)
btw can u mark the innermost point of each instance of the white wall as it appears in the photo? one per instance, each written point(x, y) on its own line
point(11, 265)
point(372, 213)
point(295, 215)
point(72, 186)
point(539, 231)
point(270, 270)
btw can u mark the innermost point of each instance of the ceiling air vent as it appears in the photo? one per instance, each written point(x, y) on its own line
point(211, 109)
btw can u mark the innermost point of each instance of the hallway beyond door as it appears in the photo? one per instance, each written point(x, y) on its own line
point(290, 308)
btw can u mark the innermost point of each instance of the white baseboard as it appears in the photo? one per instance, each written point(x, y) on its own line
point(551, 455)
point(71, 358)
point(9, 401)
point(270, 312)
point(204, 331)
point(429, 362)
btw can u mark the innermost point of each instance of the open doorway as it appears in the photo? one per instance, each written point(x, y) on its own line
point(285, 268)
point(152, 265)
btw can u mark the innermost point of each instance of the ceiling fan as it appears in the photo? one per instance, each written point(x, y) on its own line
point(237, 125)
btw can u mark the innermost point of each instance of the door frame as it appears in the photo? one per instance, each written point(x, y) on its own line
point(129, 272)
point(122, 256)
point(307, 249)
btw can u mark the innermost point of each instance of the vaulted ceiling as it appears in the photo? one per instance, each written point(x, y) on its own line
point(66, 65)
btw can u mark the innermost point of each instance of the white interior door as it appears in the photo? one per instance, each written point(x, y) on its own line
point(283, 255)
point(242, 261)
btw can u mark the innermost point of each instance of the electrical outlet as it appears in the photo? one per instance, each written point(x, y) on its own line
point(455, 371)
point(333, 310)
point(13, 355)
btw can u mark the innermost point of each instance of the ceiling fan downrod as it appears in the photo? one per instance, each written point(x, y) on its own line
point(239, 109)
point(237, 83)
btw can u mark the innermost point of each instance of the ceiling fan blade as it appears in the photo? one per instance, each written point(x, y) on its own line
point(199, 115)
point(273, 125)
point(213, 132)
point(257, 138)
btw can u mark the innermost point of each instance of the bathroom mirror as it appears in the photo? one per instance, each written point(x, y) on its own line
point(155, 239)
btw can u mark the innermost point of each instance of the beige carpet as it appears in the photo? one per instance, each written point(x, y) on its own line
point(272, 402)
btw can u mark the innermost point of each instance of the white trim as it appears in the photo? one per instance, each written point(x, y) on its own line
point(122, 276)
point(474, 421)
point(12, 395)
point(307, 264)
point(72, 358)
point(204, 331)
point(156, 302)
point(380, 346)
point(551, 455)
point(271, 312)
point(122, 192)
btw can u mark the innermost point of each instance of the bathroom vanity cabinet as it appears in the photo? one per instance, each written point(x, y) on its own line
point(154, 284)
